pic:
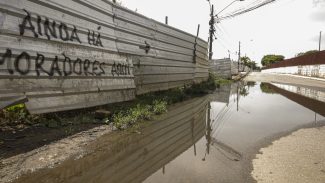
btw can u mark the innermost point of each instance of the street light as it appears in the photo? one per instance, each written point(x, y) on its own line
point(212, 22)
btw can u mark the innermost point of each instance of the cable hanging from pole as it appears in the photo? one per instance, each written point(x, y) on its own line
point(243, 11)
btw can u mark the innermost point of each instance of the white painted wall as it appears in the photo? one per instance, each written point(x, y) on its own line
point(307, 92)
point(306, 70)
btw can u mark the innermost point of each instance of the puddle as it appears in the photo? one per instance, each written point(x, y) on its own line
point(206, 139)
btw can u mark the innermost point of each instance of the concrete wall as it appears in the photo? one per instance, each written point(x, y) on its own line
point(221, 67)
point(226, 68)
point(242, 68)
point(63, 54)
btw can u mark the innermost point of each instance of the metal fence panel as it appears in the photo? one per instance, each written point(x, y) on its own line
point(60, 56)
point(68, 54)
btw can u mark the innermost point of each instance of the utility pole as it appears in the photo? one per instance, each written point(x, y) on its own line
point(211, 23)
point(320, 40)
point(238, 57)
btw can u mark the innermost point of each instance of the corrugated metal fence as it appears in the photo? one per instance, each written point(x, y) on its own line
point(59, 55)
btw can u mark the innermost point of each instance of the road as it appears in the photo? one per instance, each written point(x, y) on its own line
point(298, 157)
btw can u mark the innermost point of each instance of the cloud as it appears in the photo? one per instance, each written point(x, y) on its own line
point(318, 12)
point(319, 3)
point(318, 16)
point(316, 39)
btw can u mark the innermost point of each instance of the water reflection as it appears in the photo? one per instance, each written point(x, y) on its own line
point(241, 117)
point(131, 157)
point(202, 140)
point(307, 97)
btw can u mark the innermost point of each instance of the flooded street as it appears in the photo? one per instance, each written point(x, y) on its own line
point(124, 91)
point(208, 139)
point(238, 128)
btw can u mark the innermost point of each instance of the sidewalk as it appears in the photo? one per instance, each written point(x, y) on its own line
point(298, 158)
point(287, 79)
point(305, 77)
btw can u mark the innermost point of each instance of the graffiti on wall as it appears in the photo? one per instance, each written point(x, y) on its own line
point(24, 63)
point(52, 29)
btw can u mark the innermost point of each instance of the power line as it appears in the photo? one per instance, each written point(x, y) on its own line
point(228, 38)
point(246, 10)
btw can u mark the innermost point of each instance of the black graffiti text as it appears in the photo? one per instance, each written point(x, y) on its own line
point(59, 65)
point(94, 39)
point(120, 69)
point(56, 30)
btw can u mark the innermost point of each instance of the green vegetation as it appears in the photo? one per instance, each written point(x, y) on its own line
point(306, 53)
point(249, 63)
point(122, 120)
point(266, 88)
point(216, 81)
point(16, 108)
point(159, 107)
point(121, 115)
point(271, 59)
point(148, 105)
point(118, 2)
point(244, 91)
point(250, 84)
point(17, 115)
point(246, 61)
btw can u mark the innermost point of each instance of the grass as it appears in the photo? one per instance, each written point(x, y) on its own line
point(148, 105)
point(123, 115)
point(17, 115)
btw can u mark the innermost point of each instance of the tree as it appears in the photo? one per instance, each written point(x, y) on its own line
point(306, 53)
point(271, 59)
point(245, 60)
point(300, 54)
point(248, 62)
point(118, 2)
point(253, 65)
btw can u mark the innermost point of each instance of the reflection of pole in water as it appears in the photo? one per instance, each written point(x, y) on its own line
point(193, 140)
point(209, 128)
point(237, 98)
point(208, 131)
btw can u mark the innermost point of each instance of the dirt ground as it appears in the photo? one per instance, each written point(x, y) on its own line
point(49, 155)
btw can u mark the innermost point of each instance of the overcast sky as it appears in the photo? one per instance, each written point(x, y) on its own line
point(284, 27)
